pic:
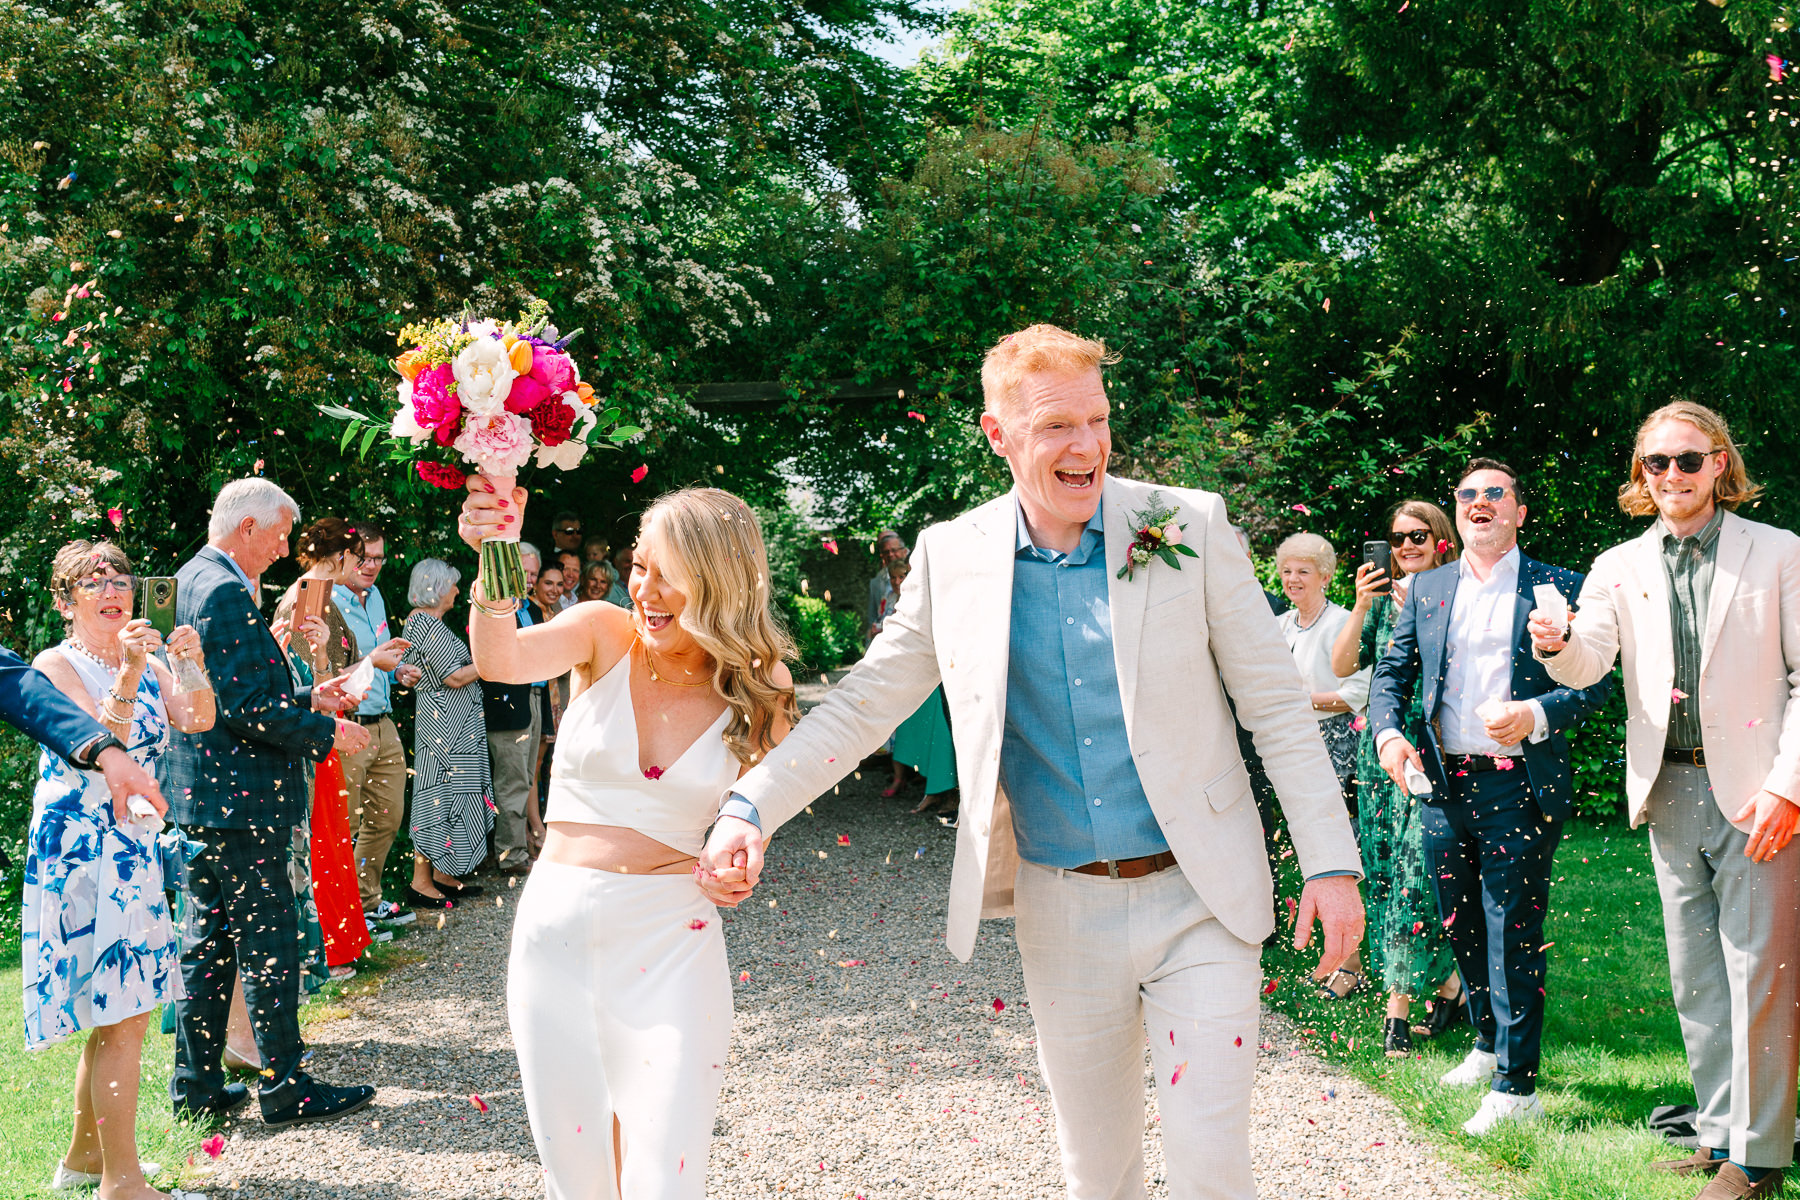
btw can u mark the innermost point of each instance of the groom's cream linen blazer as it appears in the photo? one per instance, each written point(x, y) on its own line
point(1181, 639)
point(1749, 692)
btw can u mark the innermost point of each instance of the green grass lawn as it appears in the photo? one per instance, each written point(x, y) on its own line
point(36, 1105)
point(1612, 1047)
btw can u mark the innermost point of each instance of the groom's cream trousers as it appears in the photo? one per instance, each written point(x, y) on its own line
point(1104, 958)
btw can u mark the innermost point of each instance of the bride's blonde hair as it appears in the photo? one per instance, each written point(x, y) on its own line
point(711, 548)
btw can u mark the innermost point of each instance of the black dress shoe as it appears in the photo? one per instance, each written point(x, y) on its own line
point(223, 1104)
point(320, 1102)
point(460, 891)
point(419, 899)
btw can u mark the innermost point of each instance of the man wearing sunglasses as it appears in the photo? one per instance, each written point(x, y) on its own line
point(1704, 611)
point(1498, 765)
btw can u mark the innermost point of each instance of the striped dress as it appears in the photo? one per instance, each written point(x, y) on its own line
point(452, 801)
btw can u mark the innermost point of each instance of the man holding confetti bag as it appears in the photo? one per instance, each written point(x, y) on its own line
point(1704, 611)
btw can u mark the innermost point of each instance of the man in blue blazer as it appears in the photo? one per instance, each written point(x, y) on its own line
point(239, 789)
point(1493, 750)
point(35, 707)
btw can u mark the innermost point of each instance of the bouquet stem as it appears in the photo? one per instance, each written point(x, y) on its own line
point(502, 573)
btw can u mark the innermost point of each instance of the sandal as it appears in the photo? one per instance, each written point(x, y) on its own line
point(233, 1061)
point(1396, 1038)
point(1328, 992)
point(1446, 1012)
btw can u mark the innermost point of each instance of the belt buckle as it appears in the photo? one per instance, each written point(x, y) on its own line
point(1112, 868)
point(1695, 755)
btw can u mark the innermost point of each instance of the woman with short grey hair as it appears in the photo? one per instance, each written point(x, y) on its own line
point(452, 809)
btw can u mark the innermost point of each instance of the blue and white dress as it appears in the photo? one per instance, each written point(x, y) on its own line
point(98, 945)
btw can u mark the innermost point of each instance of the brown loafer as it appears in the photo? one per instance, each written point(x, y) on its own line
point(1732, 1184)
point(1700, 1162)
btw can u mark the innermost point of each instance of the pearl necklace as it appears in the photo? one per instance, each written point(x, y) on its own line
point(115, 666)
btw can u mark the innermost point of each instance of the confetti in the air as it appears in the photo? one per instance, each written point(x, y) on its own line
point(637, 475)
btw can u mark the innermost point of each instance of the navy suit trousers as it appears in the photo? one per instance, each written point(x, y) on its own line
point(1490, 850)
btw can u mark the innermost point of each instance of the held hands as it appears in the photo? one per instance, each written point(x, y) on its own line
point(137, 641)
point(386, 657)
point(408, 675)
point(1336, 903)
point(349, 737)
point(1396, 754)
point(731, 863)
point(1513, 725)
point(1371, 584)
point(1775, 818)
point(125, 779)
point(1545, 634)
point(485, 512)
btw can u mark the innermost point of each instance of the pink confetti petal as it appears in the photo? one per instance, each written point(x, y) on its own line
point(1175, 1078)
point(637, 476)
point(116, 516)
point(830, 545)
point(1677, 695)
point(1301, 509)
point(920, 417)
point(214, 1145)
point(843, 839)
point(1502, 764)
point(1777, 68)
point(1000, 1005)
point(478, 1102)
point(696, 923)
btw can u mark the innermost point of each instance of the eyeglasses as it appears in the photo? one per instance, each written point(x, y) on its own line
point(570, 529)
point(1493, 495)
point(1417, 537)
point(371, 559)
point(1689, 462)
point(97, 584)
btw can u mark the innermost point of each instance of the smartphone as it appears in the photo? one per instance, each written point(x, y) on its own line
point(309, 600)
point(1382, 555)
point(156, 603)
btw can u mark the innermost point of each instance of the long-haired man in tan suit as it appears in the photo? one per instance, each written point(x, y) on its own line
point(1704, 611)
point(1105, 803)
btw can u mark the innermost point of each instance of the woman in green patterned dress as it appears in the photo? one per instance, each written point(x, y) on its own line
point(1408, 947)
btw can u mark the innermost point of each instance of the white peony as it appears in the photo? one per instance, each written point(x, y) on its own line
point(405, 424)
point(564, 457)
point(1171, 533)
point(484, 376)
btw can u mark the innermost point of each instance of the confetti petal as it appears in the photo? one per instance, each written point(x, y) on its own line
point(1301, 509)
point(478, 1102)
point(920, 417)
point(214, 1145)
point(696, 923)
point(1677, 695)
point(999, 1004)
point(637, 476)
point(1175, 1077)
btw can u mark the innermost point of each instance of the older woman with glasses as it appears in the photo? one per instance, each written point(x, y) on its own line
point(452, 802)
point(1408, 946)
point(99, 949)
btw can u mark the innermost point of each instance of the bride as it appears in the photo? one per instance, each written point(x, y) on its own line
point(618, 989)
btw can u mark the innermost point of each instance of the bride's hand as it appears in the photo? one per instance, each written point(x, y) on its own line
point(485, 512)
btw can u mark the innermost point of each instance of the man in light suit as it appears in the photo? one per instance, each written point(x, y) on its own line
point(1704, 610)
point(1498, 766)
point(1105, 804)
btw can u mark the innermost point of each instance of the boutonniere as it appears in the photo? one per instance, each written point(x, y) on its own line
point(1158, 536)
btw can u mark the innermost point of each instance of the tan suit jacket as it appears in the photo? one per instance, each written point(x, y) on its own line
point(1749, 660)
point(1181, 641)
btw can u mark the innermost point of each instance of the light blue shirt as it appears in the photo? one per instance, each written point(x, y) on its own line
point(1070, 776)
point(368, 624)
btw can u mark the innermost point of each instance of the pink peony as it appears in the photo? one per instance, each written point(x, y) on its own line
point(552, 368)
point(435, 406)
point(499, 443)
point(528, 391)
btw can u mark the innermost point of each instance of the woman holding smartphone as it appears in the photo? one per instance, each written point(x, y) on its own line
point(1408, 947)
point(618, 989)
point(99, 948)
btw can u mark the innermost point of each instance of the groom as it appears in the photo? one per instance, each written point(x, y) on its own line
point(1105, 804)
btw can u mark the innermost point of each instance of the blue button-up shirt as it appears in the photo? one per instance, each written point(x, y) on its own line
point(1074, 787)
point(368, 622)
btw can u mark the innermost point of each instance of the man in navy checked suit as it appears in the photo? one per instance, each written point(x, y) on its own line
point(1493, 748)
point(239, 789)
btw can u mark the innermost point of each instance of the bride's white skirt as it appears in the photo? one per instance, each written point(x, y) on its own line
point(620, 1001)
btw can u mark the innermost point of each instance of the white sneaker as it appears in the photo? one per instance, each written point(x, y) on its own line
point(1477, 1070)
point(67, 1180)
point(389, 913)
point(1503, 1106)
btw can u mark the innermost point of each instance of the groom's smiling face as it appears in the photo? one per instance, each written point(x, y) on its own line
point(1055, 437)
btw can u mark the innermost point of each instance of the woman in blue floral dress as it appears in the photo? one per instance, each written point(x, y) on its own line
point(99, 949)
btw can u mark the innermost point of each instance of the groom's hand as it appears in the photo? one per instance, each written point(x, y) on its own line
point(1337, 904)
point(731, 863)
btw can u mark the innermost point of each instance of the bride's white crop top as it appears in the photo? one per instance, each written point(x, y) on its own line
point(595, 778)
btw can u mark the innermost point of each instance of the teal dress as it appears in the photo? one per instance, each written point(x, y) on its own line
point(1408, 946)
point(923, 743)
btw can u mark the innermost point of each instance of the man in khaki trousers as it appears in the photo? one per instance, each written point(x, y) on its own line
point(1704, 611)
point(1105, 803)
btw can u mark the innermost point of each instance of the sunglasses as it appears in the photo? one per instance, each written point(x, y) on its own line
point(1690, 462)
point(94, 586)
point(1417, 537)
point(1493, 495)
point(570, 529)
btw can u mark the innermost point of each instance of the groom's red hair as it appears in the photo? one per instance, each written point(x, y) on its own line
point(1034, 350)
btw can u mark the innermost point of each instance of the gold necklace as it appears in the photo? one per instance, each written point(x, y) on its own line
point(651, 663)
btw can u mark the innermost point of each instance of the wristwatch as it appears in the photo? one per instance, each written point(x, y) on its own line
point(88, 757)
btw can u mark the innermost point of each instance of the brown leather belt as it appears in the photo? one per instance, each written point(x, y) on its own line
point(1690, 758)
point(1128, 868)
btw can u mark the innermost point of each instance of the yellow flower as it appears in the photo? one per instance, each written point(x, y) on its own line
point(520, 354)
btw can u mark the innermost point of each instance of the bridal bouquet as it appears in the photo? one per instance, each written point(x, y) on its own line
point(498, 395)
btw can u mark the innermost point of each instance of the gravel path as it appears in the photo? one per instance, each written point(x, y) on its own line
point(866, 1061)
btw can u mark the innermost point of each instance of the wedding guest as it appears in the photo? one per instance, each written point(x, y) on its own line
point(452, 801)
point(1128, 855)
point(889, 548)
point(547, 592)
point(515, 732)
point(571, 578)
point(1703, 610)
point(617, 989)
point(98, 947)
point(375, 775)
point(1497, 761)
point(1306, 562)
point(596, 580)
point(1408, 946)
point(595, 549)
point(621, 562)
point(565, 532)
point(239, 789)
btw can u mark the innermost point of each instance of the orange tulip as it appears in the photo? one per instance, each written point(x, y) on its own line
point(586, 392)
point(410, 364)
point(521, 357)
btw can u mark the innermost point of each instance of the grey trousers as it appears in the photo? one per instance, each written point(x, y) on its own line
point(1731, 926)
point(512, 756)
